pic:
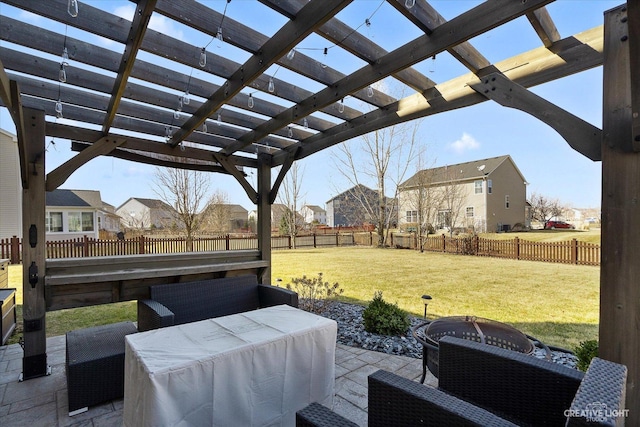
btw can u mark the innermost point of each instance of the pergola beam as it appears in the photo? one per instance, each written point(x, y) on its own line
point(544, 26)
point(310, 17)
point(141, 18)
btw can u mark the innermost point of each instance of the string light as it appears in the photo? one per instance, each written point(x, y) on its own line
point(186, 97)
point(291, 54)
point(409, 3)
point(168, 134)
point(341, 106)
point(59, 108)
point(323, 64)
point(305, 123)
point(179, 104)
point(219, 35)
point(62, 74)
point(65, 56)
point(203, 57)
point(289, 131)
point(250, 101)
point(182, 146)
point(272, 86)
point(369, 91)
point(72, 8)
point(219, 119)
point(176, 114)
point(204, 127)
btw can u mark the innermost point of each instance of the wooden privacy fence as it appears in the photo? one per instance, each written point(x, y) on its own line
point(90, 247)
point(566, 252)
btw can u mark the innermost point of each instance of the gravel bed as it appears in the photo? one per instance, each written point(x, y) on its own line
point(351, 332)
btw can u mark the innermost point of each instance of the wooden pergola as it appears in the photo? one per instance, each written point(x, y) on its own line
point(285, 122)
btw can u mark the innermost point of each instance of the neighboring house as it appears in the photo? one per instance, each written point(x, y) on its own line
point(145, 214)
point(222, 218)
point(491, 195)
point(10, 187)
point(278, 210)
point(108, 220)
point(348, 208)
point(313, 214)
point(70, 214)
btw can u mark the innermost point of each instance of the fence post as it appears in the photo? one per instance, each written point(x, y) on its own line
point(227, 243)
point(85, 246)
point(516, 242)
point(141, 245)
point(314, 240)
point(15, 250)
point(574, 251)
point(444, 243)
point(337, 239)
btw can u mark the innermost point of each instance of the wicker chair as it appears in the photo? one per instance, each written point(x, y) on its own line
point(178, 303)
point(482, 385)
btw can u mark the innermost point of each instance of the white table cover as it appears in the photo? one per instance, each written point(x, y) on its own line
point(251, 369)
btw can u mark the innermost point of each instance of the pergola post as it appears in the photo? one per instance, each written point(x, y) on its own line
point(620, 270)
point(34, 362)
point(264, 213)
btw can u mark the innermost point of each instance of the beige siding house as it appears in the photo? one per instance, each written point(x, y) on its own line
point(10, 187)
point(483, 195)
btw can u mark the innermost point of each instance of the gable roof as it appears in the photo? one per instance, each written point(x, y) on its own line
point(476, 169)
point(356, 189)
point(74, 198)
point(150, 203)
point(314, 208)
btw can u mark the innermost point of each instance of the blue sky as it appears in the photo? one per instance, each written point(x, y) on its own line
point(486, 130)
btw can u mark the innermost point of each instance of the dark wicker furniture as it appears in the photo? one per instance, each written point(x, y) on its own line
point(485, 385)
point(178, 303)
point(95, 364)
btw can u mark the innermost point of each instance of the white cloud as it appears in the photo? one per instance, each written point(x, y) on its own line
point(465, 143)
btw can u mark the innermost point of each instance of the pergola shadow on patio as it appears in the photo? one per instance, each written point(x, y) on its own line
point(123, 102)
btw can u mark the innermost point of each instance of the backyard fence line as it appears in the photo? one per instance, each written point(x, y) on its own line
point(566, 252)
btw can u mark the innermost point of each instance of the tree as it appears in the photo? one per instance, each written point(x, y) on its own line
point(184, 190)
point(385, 151)
point(290, 195)
point(453, 198)
point(216, 217)
point(422, 199)
point(544, 208)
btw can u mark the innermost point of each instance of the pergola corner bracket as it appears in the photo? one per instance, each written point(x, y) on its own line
point(579, 134)
point(291, 157)
point(230, 166)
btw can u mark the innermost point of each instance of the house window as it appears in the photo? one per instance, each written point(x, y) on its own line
point(444, 218)
point(489, 186)
point(470, 211)
point(80, 221)
point(53, 222)
point(478, 186)
point(412, 216)
point(506, 202)
point(87, 221)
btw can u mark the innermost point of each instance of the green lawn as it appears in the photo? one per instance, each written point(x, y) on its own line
point(587, 236)
point(554, 302)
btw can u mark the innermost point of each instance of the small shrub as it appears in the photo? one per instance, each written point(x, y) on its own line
point(586, 351)
point(381, 317)
point(314, 293)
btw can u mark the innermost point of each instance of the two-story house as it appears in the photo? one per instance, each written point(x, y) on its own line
point(223, 218)
point(145, 214)
point(10, 186)
point(358, 206)
point(486, 195)
point(313, 214)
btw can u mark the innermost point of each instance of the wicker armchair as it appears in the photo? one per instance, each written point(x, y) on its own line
point(178, 303)
point(481, 385)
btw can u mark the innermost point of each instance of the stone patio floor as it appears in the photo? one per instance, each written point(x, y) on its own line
point(43, 401)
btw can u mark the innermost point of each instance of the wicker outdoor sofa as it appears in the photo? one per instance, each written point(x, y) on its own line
point(178, 303)
point(482, 385)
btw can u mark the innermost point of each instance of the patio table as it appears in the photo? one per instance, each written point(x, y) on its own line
point(251, 369)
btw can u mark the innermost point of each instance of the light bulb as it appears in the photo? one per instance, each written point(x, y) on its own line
point(291, 54)
point(409, 3)
point(305, 123)
point(341, 106)
point(369, 91)
point(289, 131)
point(182, 146)
point(219, 34)
point(62, 75)
point(72, 8)
point(204, 127)
point(65, 57)
point(219, 119)
point(272, 86)
point(176, 114)
point(186, 98)
point(59, 109)
point(250, 101)
point(203, 57)
point(323, 64)
point(179, 104)
point(168, 134)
